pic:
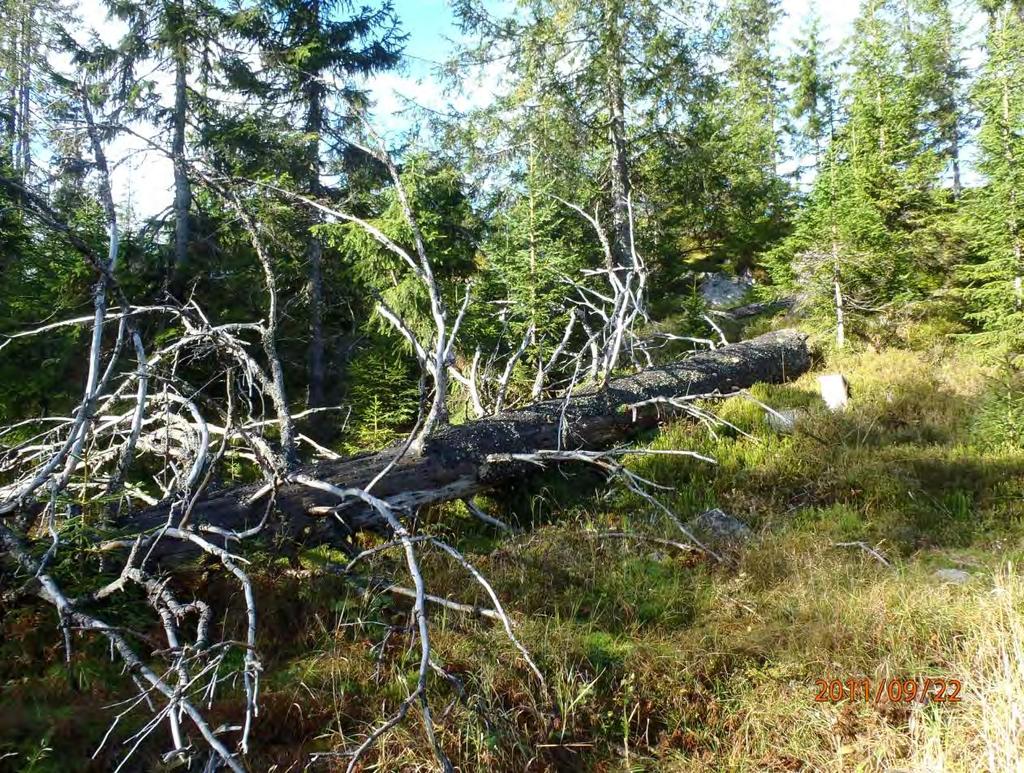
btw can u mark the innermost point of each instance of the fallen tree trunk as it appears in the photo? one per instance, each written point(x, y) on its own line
point(455, 462)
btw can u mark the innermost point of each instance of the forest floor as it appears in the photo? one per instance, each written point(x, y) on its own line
point(657, 659)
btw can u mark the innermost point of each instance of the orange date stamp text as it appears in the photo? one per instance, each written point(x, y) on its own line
point(922, 690)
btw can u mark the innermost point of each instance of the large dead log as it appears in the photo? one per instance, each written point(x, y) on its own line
point(454, 463)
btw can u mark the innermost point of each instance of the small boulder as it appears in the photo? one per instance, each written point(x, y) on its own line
point(720, 528)
point(951, 576)
point(721, 291)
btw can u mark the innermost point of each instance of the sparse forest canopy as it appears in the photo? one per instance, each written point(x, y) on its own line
point(279, 391)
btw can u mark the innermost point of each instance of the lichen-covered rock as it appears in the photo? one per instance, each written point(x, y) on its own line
point(719, 528)
point(720, 291)
point(952, 576)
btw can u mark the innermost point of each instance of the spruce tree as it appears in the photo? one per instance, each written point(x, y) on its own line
point(996, 290)
point(591, 77)
point(812, 78)
point(312, 53)
point(941, 80)
point(20, 53)
point(758, 197)
point(533, 247)
point(184, 37)
point(855, 248)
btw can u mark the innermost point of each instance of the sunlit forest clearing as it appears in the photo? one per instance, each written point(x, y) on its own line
point(648, 397)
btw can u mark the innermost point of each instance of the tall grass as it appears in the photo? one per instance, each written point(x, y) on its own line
point(987, 732)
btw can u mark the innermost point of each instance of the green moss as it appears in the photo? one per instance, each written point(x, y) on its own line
point(606, 651)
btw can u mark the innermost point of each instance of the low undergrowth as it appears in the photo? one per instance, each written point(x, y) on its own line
point(655, 659)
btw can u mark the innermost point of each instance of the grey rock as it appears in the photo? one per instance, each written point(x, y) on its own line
point(954, 576)
point(720, 291)
point(718, 527)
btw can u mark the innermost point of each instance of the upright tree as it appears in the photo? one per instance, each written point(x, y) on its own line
point(884, 137)
point(855, 246)
point(940, 77)
point(753, 115)
point(23, 33)
point(179, 37)
point(313, 52)
point(997, 280)
point(812, 78)
point(587, 76)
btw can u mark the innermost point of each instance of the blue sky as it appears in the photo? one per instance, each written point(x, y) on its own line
point(430, 27)
point(429, 22)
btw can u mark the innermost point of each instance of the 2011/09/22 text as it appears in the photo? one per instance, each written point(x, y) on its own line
point(888, 690)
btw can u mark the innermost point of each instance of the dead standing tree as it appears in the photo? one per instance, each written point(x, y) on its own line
point(151, 410)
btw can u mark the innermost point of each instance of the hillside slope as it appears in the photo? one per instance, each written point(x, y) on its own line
point(655, 659)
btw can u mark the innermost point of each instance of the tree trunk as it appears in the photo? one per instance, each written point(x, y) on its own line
point(955, 153)
point(881, 123)
point(1012, 224)
point(622, 235)
point(10, 112)
point(840, 315)
point(27, 53)
point(457, 461)
point(313, 92)
point(316, 375)
point(182, 187)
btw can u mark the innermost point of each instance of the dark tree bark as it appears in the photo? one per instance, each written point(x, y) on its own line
point(316, 370)
point(955, 155)
point(182, 186)
point(456, 462)
point(313, 93)
point(622, 235)
point(25, 93)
